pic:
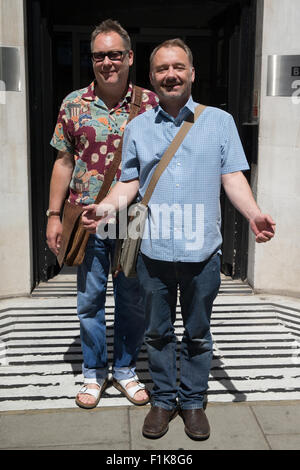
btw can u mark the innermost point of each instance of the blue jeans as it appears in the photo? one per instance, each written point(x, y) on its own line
point(129, 321)
point(198, 285)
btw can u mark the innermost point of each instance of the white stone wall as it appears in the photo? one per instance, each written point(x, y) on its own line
point(275, 267)
point(15, 265)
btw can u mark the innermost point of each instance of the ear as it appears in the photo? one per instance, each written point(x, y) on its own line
point(130, 57)
point(193, 74)
point(151, 77)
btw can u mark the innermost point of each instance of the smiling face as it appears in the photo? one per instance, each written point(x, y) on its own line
point(172, 75)
point(109, 73)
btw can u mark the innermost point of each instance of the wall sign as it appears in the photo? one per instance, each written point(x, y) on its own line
point(10, 70)
point(283, 75)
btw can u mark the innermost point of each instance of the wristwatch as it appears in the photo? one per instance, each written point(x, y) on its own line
point(49, 213)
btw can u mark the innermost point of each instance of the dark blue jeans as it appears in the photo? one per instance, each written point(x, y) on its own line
point(198, 284)
point(129, 321)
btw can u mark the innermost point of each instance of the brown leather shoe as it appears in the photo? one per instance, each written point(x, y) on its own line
point(196, 424)
point(156, 423)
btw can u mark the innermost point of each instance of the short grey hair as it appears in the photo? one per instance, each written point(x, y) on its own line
point(177, 42)
point(109, 26)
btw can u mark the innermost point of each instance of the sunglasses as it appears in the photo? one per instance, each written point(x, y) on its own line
point(112, 55)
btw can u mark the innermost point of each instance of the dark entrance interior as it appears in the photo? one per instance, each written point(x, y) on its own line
point(221, 34)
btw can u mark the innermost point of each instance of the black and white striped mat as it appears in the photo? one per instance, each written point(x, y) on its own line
point(256, 348)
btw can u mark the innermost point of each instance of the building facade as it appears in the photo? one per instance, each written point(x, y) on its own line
point(43, 56)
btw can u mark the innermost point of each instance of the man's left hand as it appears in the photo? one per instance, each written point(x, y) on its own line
point(263, 227)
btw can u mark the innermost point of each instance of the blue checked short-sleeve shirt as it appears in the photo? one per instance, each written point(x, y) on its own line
point(184, 218)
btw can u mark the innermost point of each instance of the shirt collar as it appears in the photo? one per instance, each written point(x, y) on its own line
point(188, 108)
point(90, 94)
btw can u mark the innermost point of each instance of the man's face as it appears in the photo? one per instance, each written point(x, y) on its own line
point(110, 73)
point(172, 74)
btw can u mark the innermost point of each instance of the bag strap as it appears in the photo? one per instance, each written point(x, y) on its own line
point(135, 106)
point(171, 150)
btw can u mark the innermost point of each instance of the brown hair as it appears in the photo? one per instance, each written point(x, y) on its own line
point(177, 42)
point(108, 26)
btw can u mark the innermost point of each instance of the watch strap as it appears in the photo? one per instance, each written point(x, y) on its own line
point(49, 213)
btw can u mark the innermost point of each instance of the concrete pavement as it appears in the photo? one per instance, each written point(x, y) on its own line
point(234, 426)
point(254, 387)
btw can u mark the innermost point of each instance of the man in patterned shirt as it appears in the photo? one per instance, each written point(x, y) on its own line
point(90, 124)
point(189, 257)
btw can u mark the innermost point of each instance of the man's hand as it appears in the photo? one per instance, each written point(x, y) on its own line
point(239, 192)
point(54, 231)
point(60, 180)
point(121, 195)
point(263, 227)
point(95, 213)
point(89, 218)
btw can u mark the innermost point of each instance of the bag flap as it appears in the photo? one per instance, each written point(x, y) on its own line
point(71, 215)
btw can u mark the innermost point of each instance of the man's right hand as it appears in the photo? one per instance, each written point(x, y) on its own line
point(95, 213)
point(54, 231)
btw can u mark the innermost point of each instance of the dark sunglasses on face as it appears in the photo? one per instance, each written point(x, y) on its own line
point(112, 55)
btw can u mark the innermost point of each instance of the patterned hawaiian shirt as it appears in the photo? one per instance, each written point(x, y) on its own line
point(91, 132)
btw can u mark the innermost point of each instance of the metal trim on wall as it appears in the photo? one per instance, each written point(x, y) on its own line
point(10, 68)
point(283, 73)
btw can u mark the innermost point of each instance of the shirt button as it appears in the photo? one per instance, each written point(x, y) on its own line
point(178, 164)
point(177, 185)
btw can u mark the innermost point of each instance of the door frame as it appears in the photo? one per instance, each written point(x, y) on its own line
point(42, 117)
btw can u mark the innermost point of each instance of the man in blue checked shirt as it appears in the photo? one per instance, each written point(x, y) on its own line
point(182, 238)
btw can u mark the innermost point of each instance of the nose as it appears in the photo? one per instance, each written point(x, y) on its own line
point(170, 72)
point(106, 61)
